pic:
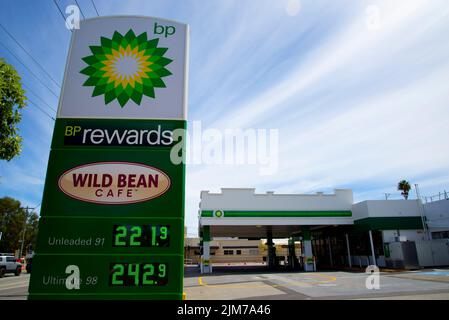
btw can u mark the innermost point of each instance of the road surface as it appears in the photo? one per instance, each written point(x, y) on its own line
point(14, 288)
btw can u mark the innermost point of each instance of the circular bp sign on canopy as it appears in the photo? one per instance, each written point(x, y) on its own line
point(218, 213)
point(112, 216)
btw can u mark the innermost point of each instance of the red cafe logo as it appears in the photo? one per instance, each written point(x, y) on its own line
point(114, 182)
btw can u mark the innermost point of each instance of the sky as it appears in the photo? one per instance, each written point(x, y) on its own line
point(358, 91)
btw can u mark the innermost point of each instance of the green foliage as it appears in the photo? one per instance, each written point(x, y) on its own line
point(405, 187)
point(12, 219)
point(31, 232)
point(12, 99)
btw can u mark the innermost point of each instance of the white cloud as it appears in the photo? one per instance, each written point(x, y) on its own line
point(396, 131)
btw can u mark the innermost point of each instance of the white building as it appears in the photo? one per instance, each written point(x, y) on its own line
point(332, 230)
point(437, 218)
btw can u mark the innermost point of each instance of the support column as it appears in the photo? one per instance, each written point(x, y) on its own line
point(372, 247)
point(349, 251)
point(330, 251)
point(292, 260)
point(206, 265)
point(271, 250)
point(308, 254)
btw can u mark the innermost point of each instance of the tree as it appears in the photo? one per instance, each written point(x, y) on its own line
point(12, 99)
point(31, 232)
point(13, 219)
point(404, 186)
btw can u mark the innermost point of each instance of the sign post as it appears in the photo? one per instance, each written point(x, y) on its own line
point(112, 217)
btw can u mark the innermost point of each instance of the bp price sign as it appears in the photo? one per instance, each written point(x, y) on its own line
point(112, 217)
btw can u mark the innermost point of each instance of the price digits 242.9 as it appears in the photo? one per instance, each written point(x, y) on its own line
point(138, 274)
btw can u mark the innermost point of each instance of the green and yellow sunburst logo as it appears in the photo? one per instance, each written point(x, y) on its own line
point(126, 67)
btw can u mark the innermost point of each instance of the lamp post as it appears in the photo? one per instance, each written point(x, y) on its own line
point(422, 214)
point(24, 230)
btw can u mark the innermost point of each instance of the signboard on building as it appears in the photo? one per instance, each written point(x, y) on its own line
point(112, 214)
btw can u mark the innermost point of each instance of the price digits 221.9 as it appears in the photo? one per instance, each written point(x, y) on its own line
point(141, 236)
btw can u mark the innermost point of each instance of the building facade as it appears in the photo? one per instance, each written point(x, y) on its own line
point(331, 229)
point(437, 218)
point(223, 251)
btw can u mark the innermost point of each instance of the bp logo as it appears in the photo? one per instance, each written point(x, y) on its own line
point(218, 213)
point(126, 67)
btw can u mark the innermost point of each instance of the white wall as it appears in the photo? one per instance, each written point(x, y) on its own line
point(437, 214)
point(410, 235)
point(247, 199)
point(385, 208)
point(360, 210)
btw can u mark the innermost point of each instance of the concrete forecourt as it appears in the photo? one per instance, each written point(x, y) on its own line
point(237, 283)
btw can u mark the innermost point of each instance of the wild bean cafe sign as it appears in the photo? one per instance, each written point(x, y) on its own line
point(112, 216)
point(114, 182)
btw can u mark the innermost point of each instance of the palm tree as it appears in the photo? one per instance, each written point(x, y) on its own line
point(404, 186)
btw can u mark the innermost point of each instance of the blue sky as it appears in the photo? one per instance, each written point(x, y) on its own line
point(359, 90)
